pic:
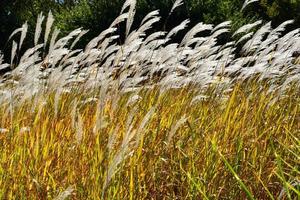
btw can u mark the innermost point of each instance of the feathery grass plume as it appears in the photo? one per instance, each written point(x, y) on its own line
point(56, 55)
point(247, 2)
point(94, 42)
point(127, 3)
point(119, 19)
point(1, 57)
point(122, 153)
point(23, 34)
point(38, 28)
point(15, 32)
point(111, 142)
point(24, 130)
point(53, 39)
point(4, 66)
point(150, 15)
point(253, 70)
point(281, 27)
point(219, 32)
point(174, 128)
point(152, 37)
point(257, 38)
point(3, 130)
point(269, 42)
point(61, 43)
point(247, 27)
point(273, 36)
point(13, 53)
point(291, 36)
point(176, 4)
point(147, 25)
point(140, 131)
point(69, 58)
point(30, 53)
point(65, 194)
point(58, 49)
point(108, 51)
point(178, 28)
point(222, 25)
point(29, 59)
point(198, 98)
point(245, 37)
point(133, 99)
point(107, 44)
point(49, 23)
point(131, 14)
point(82, 33)
point(100, 122)
point(195, 30)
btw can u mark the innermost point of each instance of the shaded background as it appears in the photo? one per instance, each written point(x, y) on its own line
point(96, 15)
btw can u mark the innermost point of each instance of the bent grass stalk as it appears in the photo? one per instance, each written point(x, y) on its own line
point(230, 168)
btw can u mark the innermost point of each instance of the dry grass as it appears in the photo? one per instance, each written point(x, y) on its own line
point(150, 118)
point(233, 146)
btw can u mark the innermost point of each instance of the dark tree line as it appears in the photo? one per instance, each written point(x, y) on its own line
point(96, 15)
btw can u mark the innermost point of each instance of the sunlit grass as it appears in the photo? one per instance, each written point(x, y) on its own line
point(162, 145)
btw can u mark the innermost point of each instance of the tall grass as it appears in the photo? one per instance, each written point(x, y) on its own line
point(144, 149)
point(148, 118)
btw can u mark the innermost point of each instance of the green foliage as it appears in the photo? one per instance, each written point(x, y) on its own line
point(281, 10)
point(96, 15)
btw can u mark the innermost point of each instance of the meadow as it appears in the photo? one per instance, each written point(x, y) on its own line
point(145, 117)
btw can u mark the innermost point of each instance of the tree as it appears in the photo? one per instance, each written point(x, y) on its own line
point(96, 15)
point(282, 10)
point(9, 22)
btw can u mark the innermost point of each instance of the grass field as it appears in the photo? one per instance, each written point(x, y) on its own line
point(173, 144)
point(149, 118)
